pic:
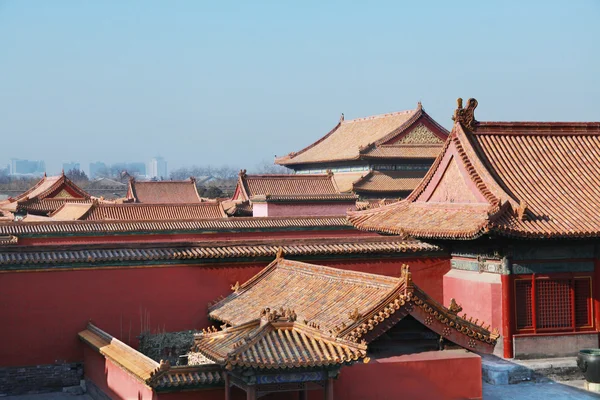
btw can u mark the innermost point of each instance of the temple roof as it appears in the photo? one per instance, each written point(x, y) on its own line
point(48, 194)
point(139, 211)
point(289, 188)
point(276, 341)
point(388, 181)
point(348, 140)
point(163, 192)
point(344, 305)
point(524, 179)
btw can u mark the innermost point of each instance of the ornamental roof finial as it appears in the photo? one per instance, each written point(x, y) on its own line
point(242, 173)
point(342, 118)
point(466, 116)
point(419, 106)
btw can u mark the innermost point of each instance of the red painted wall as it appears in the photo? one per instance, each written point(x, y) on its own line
point(435, 375)
point(42, 312)
point(421, 376)
point(112, 379)
point(306, 209)
point(188, 237)
point(479, 294)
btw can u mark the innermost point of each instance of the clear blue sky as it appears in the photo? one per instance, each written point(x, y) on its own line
point(222, 82)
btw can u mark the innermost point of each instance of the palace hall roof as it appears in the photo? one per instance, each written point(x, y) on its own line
point(47, 195)
point(139, 211)
point(522, 179)
point(289, 188)
point(410, 134)
point(388, 181)
point(344, 305)
point(159, 376)
point(163, 192)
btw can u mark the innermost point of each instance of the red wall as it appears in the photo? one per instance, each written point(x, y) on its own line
point(42, 312)
point(479, 294)
point(423, 376)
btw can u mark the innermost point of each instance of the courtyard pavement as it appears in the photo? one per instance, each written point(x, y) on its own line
point(571, 390)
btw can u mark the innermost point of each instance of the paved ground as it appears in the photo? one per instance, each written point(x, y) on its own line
point(572, 390)
point(48, 396)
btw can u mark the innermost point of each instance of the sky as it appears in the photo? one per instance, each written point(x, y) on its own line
point(236, 83)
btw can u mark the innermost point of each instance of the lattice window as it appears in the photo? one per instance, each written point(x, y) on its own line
point(583, 299)
point(553, 303)
point(523, 301)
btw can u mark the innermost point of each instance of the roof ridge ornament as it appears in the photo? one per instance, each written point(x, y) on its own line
point(242, 173)
point(466, 116)
point(342, 118)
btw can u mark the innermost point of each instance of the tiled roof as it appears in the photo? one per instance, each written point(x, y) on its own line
point(344, 304)
point(344, 180)
point(57, 228)
point(159, 376)
point(423, 151)
point(368, 204)
point(95, 255)
point(389, 181)
point(348, 139)
point(50, 186)
point(44, 206)
point(237, 208)
point(163, 192)
point(276, 344)
point(139, 212)
point(251, 186)
point(530, 179)
point(46, 196)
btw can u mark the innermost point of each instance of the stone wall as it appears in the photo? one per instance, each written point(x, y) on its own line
point(39, 378)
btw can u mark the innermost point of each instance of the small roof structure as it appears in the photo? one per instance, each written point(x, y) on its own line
point(518, 179)
point(47, 195)
point(289, 188)
point(405, 134)
point(163, 192)
point(338, 305)
point(139, 211)
point(158, 376)
point(379, 183)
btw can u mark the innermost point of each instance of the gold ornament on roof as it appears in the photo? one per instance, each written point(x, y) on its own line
point(466, 116)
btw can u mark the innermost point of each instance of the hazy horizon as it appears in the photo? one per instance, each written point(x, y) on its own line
point(218, 83)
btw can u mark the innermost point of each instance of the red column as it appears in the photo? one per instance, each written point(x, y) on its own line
point(227, 387)
point(329, 389)
point(507, 315)
point(251, 393)
point(596, 292)
point(302, 395)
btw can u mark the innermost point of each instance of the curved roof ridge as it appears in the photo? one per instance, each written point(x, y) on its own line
point(349, 121)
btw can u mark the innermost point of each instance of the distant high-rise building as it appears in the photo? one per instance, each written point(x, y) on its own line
point(157, 168)
point(136, 168)
point(69, 166)
point(27, 167)
point(97, 168)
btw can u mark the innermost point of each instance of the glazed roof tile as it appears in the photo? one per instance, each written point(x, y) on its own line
point(524, 179)
point(94, 255)
point(276, 345)
point(139, 211)
point(389, 181)
point(163, 192)
point(430, 151)
point(344, 180)
point(342, 304)
point(252, 186)
point(207, 225)
point(349, 139)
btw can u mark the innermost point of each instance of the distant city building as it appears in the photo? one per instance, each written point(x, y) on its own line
point(69, 166)
point(97, 168)
point(27, 167)
point(135, 168)
point(157, 168)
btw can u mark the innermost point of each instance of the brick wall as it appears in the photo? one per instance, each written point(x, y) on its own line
point(39, 378)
